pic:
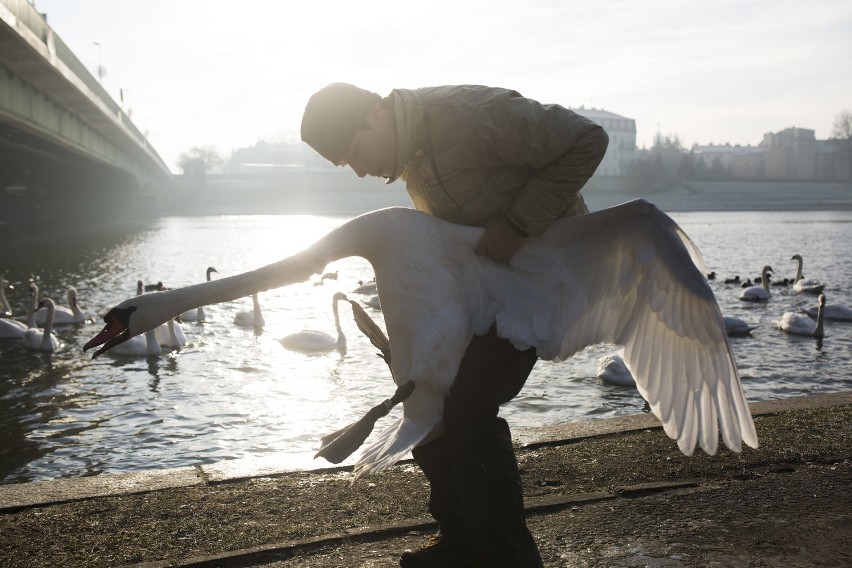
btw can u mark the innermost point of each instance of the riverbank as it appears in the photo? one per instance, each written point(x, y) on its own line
point(610, 492)
point(340, 193)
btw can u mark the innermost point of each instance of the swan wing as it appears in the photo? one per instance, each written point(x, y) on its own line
point(631, 277)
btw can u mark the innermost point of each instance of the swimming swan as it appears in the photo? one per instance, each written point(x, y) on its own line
point(5, 308)
point(253, 318)
point(833, 312)
point(311, 341)
point(623, 276)
point(809, 285)
point(139, 346)
point(63, 315)
point(197, 314)
point(9, 328)
point(736, 327)
point(611, 369)
point(42, 339)
point(170, 334)
point(758, 293)
point(800, 324)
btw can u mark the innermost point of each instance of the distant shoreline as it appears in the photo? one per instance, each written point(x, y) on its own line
point(347, 195)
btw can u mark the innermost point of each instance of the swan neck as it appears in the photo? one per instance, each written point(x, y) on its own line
point(31, 318)
point(818, 331)
point(48, 326)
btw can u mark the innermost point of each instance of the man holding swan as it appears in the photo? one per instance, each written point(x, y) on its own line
point(477, 156)
point(514, 273)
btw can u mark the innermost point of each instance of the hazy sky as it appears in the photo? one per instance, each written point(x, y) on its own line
point(227, 74)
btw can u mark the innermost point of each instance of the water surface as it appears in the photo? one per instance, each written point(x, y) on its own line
point(233, 393)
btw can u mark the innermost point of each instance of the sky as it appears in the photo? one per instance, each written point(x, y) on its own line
point(230, 74)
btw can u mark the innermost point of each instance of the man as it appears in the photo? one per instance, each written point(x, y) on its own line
point(479, 156)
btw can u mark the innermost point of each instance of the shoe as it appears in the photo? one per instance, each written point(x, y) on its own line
point(442, 551)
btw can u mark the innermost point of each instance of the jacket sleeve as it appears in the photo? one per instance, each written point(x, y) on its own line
point(560, 148)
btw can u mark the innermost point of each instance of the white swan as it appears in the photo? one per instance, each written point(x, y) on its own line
point(30, 320)
point(197, 314)
point(736, 327)
point(799, 324)
point(808, 285)
point(612, 369)
point(834, 312)
point(5, 308)
point(12, 329)
point(253, 318)
point(139, 346)
point(170, 334)
point(311, 341)
point(623, 276)
point(63, 315)
point(366, 287)
point(9, 328)
point(374, 302)
point(42, 339)
point(758, 293)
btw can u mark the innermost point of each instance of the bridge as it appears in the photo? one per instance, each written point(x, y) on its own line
point(63, 139)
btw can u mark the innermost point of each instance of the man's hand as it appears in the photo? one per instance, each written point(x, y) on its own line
point(500, 241)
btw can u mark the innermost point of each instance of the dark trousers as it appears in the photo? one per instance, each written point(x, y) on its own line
point(475, 484)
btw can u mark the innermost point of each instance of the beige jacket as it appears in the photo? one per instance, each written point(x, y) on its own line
point(496, 153)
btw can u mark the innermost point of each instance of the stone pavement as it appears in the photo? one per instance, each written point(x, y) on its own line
point(787, 504)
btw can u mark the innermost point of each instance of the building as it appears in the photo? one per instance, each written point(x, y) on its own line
point(792, 154)
point(621, 152)
point(740, 162)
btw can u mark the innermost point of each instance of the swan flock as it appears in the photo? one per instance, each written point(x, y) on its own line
point(627, 276)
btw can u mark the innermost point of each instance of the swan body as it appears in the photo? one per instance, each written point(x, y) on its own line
point(170, 334)
point(800, 324)
point(311, 341)
point(611, 369)
point(42, 339)
point(197, 314)
point(139, 346)
point(366, 288)
point(625, 276)
point(63, 315)
point(253, 318)
point(9, 328)
point(736, 327)
point(807, 285)
point(12, 329)
point(758, 293)
point(834, 312)
point(373, 302)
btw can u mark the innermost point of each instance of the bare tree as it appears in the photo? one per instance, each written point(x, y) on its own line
point(843, 133)
point(200, 160)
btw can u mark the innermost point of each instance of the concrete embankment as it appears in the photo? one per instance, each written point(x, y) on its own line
point(610, 492)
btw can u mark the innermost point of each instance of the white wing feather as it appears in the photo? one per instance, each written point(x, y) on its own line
point(628, 276)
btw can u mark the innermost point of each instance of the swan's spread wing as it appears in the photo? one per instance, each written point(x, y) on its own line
point(628, 276)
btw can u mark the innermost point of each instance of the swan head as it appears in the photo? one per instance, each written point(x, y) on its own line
point(209, 270)
point(822, 300)
point(132, 317)
point(796, 257)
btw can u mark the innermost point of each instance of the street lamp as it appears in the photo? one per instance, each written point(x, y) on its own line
point(101, 68)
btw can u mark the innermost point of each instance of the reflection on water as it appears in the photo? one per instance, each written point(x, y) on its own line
point(233, 393)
